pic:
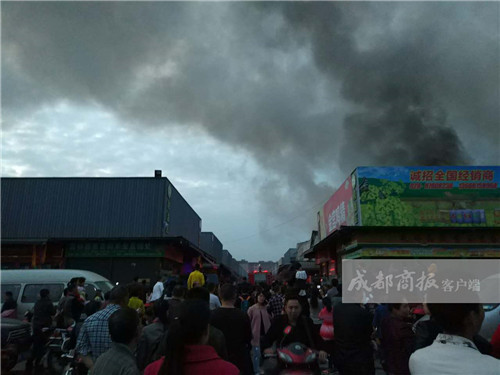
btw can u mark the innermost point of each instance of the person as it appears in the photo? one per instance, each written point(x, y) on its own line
point(454, 352)
point(136, 287)
point(80, 285)
point(106, 299)
point(276, 302)
point(244, 301)
point(187, 351)
point(195, 278)
point(316, 307)
point(353, 351)
point(43, 313)
point(91, 307)
point(73, 305)
point(397, 339)
point(169, 288)
point(157, 290)
point(302, 329)
point(98, 296)
point(145, 289)
point(326, 316)
point(495, 343)
point(326, 329)
point(244, 287)
point(261, 322)
point(216, 338)
point(93, 338)
point(426, 330)
point(235, 325)
point(214, 300)
point(175, 302)
point(148, 348)
point(338, 298)
point(135, 302)
point(119, 358)
point(381, 312)
point(9, 307)
point(333, 291)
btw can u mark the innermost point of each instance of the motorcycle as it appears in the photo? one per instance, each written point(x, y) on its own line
point(61, 356)
point(58, 345)
point(294, 359)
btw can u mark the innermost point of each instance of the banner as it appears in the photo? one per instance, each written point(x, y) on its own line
point(339, 210)
point(429, 196)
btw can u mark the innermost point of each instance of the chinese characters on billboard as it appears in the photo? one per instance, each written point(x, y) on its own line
point(415, 196)
point(339, 210)
point(429, 196)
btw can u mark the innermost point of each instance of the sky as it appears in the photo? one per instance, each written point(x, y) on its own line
point(255, 111)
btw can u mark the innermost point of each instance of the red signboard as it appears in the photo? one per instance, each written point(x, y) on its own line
point(336, 210)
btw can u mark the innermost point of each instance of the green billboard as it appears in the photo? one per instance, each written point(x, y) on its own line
point(428, 196)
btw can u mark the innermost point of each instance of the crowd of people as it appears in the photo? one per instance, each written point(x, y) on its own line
point(196, 328)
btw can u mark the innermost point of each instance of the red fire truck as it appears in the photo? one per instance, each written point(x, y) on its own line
point(257, 277)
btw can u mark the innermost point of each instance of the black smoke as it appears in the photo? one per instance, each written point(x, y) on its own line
point(308, 90)
point(407, 79)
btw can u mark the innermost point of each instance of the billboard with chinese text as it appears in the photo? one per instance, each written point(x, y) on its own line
point(429, 196)
point(339, 209)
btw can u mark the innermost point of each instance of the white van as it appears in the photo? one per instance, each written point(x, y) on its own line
point(25, 285)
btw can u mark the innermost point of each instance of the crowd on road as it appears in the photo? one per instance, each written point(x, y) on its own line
point(197, 328)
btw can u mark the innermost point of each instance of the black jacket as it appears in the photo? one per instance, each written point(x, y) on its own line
point(353, 331)
point(304, 332)
point(43, 312)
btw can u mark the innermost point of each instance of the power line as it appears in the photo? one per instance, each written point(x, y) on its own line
point(279, 225)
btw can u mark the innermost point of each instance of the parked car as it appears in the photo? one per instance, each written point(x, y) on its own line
point(491, 320)
point(16, 339)
point(492, 310)
point(25, 285)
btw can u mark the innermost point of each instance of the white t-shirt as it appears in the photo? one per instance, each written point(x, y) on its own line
point(452, 355)
point(214, 302)
point(157, 291)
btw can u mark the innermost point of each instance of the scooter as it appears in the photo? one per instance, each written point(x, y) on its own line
point(58, 345)
point(295, 359)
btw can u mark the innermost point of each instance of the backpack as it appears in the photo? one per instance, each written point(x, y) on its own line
point(245, 304)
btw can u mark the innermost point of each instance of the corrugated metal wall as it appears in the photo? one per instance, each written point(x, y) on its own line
point(95, 208)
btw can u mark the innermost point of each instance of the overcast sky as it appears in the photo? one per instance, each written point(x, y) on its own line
point(255, 111)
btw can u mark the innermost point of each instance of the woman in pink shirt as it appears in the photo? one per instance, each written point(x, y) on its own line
point(326, 330)
point(187, 352)
point(260, 321)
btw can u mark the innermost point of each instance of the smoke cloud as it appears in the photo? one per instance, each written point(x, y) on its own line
point(407, 66)
point(309, 90)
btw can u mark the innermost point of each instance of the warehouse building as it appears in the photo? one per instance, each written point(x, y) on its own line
point(117, 227)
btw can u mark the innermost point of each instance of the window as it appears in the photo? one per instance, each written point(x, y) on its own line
point(104, 286)
point(32, 292)
point(14, 288)
point(90, 292)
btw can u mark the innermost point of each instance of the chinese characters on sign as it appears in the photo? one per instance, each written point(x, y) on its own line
point(337, 217)
point(421, 280)
point(444, 180)
point(406, 282)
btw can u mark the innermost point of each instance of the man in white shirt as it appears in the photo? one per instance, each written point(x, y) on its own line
point(158, 290)
point(453, 351)
point(214, 300)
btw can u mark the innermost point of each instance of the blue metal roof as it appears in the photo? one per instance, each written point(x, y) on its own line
point(81, 208)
